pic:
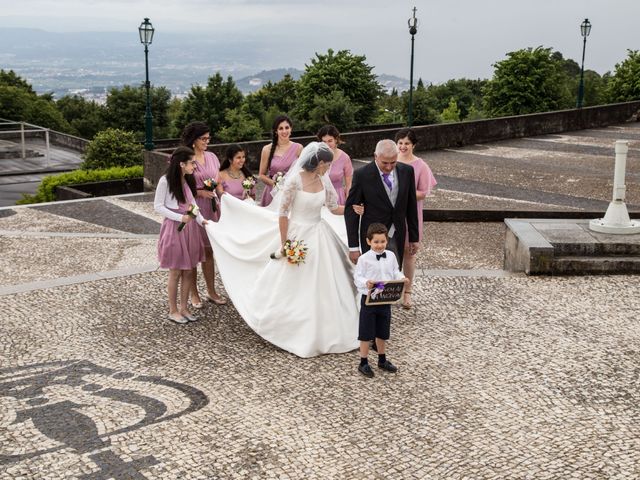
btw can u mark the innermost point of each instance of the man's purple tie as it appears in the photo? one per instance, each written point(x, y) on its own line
point(387, 180)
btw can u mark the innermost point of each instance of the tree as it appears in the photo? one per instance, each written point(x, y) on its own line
point(342, 72)
point(240, 126)
point(466, 92)
point(390, 108)
point(19, 105)
point(335, 109)
point(11, 79)
point(281, 94)
point(423, 110)
point(624, 85)
point(125, 109)
point(112, 148)
point(85, 117)
point(451, 113)
point(528, 81)
point(210, 104)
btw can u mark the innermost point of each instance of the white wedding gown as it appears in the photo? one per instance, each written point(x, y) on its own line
point(307, 309)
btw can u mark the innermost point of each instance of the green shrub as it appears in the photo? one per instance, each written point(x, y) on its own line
point(112, 148)
point(47, 189)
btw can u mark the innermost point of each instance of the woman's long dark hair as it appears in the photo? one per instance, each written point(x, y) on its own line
point(232, 151)
point(274, 136)
point(174, 173)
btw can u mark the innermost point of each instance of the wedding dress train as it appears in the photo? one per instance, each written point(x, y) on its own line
point(307, 309)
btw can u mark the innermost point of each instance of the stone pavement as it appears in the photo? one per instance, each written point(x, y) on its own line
point(501, 376)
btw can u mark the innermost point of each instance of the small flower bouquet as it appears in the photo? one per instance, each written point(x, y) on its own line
point(294, 250)
point(210, 185)
point(377, 289)
point(278, 180)
point(247, 185)
point(192, 212)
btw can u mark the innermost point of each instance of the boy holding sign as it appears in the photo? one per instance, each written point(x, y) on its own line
point(373, 269)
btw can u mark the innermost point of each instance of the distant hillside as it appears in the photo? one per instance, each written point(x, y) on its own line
point(252, 83)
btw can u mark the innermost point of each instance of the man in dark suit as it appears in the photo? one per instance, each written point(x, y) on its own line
point(387, 189)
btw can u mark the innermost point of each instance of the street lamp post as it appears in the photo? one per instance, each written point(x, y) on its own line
point(413, 29)
point(146, 37)
point(585, 29)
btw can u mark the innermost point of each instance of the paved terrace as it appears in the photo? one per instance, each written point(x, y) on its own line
point(501, 376)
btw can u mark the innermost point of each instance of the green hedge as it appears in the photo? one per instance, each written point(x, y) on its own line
point(47, 190)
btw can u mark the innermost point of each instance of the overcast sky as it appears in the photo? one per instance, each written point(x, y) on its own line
point(456, 38)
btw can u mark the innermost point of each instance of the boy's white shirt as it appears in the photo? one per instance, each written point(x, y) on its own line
point(370, 268)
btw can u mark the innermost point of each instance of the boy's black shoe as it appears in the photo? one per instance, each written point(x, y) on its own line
point(388, 366)
point(366, 370)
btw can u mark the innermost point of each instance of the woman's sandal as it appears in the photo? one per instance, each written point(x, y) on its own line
point(218, 301)
point(197, 306)
point(406, 303)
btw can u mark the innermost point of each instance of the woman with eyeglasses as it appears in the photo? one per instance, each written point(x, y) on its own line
point(196, 135)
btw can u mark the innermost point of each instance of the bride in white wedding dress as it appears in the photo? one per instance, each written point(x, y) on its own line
point(307, 309)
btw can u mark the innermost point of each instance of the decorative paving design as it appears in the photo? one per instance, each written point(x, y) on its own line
point(42, 410)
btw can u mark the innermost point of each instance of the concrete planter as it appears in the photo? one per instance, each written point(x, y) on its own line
point(100, 189)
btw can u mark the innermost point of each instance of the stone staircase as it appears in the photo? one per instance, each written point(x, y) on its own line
point(568, 247)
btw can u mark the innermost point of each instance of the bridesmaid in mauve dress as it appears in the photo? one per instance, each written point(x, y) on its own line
point(277, 156)
point(196, 135)
point(425, 182)
point(178, 251)
point(234, 171)
point(341, 172)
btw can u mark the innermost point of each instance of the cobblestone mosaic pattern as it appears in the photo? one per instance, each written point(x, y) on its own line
point(504, 378)
point(30, 259)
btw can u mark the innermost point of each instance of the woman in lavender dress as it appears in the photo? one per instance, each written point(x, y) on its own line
point(179, 251)
point(234, 171)
point(196, 135)
point(425, 181)
point(277, 156)
point(341, 172)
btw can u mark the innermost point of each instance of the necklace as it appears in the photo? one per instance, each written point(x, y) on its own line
point(236, 176)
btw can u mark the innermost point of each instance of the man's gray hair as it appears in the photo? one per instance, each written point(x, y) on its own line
point(386, 148)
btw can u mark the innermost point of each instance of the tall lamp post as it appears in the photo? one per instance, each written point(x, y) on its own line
point(585, 29)
point(413, 29)
point(146, 37)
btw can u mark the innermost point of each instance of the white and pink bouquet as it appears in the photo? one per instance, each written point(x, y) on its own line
point(248, 184)
point(210, 185)
point(278, 181)
point(192, 212)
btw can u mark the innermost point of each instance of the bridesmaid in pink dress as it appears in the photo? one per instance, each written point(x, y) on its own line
point(278, 156)
point(341, 172)
point(179, 251)
point(425, 181)
point(234, 171)
point(196, 135)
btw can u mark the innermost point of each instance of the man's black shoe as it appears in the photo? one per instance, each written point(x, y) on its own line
point(388, 366)
point(366, 370)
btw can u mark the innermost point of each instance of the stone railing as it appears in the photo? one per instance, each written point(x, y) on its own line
point(433, 137)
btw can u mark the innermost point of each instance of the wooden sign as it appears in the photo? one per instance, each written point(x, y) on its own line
point(385, 293)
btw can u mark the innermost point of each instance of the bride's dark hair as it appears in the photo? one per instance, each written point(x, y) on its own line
point(322, 154)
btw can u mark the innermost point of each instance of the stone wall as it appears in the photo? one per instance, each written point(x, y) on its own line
point(433, 137)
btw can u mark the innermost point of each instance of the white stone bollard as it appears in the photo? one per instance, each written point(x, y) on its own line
point(617, 220)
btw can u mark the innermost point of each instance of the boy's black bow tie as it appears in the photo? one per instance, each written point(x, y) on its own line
point(382, 255)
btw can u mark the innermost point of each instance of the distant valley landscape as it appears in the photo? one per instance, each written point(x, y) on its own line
point(89, 63)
